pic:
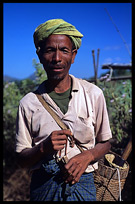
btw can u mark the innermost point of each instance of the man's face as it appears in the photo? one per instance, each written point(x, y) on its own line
point(57, 56)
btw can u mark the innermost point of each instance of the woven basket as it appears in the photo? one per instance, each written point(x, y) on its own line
point(107, 182)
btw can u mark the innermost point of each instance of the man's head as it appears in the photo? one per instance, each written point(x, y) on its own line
point(57, 42)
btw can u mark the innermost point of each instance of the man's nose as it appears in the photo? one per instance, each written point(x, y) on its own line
point(57, 56)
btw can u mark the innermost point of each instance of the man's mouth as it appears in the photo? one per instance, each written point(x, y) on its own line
point(57, 69)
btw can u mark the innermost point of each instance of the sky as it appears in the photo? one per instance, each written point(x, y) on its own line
point(91, 19)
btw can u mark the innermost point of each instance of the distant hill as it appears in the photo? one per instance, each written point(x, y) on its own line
point(11, 79)
point(32, 76)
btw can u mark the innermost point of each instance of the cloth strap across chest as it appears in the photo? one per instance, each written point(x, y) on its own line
point(57, 119)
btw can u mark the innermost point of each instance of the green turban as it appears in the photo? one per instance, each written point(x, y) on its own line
point(56, 26)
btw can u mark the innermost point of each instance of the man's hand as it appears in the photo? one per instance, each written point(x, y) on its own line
point(55, 142)
point(76, 166)
point(59, 139)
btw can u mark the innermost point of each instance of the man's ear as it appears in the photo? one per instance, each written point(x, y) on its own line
point(74, 52)
point(39, 54)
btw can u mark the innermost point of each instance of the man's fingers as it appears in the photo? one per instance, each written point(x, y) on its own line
point(63, 132)
point(76, 175)
point(75, 169)
point(73, 177)
point(59, 139)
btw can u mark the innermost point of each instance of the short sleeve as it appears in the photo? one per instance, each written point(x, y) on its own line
point(102, 127)
point(23, 132)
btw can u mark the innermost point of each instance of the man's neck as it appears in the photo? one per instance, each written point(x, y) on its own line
point(59, 86)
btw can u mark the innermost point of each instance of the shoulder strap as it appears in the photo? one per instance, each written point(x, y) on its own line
point(57, 119)
point(52, 113)
point(59, 122)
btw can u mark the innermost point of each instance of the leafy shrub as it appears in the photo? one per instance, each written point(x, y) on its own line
point(40, 72)
point(11, 98)
point(118, 97)
point(13, 92)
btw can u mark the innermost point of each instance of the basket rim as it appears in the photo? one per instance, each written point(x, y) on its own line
point(113, 168)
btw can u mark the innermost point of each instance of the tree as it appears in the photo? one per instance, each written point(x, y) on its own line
point(40, 72)
point(25, 86)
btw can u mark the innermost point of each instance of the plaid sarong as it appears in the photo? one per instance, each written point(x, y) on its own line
point(47, 185)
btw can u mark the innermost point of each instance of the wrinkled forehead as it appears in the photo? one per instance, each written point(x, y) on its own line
point(55, 40)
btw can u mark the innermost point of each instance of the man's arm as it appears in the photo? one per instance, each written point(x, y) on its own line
point(77, 164)
point(30, 156)
point(55, 142)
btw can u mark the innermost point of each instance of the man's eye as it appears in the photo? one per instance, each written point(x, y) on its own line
point(49, 51)
point(65, 51)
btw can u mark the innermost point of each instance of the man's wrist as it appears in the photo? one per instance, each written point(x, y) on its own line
point(45, 147)
point(91, 155)
point(41, 147)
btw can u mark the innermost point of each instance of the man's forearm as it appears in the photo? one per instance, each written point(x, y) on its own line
point(100, 150)
point(55, 142)
point(30, 156)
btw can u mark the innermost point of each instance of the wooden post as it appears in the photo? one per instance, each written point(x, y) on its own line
point(95, 65)
point(93, 54)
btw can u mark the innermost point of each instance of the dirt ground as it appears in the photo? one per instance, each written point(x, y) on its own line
point(16, 186)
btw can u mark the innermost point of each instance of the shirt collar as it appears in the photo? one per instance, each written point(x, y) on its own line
point(75, 85)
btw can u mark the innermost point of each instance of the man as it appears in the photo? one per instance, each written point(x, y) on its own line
point(79, 104)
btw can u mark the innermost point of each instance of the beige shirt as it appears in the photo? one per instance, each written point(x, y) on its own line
point(86, 117)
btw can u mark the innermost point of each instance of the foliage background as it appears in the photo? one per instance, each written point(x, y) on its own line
point(118, 95)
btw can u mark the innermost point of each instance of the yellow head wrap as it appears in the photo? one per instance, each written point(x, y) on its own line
point(56, 26)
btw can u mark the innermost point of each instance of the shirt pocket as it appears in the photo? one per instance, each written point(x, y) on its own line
point(83, 129)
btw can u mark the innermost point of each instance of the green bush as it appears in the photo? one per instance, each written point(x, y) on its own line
point(40, 72)
point(118, 95)
point(13, 93)
point(11, 98)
